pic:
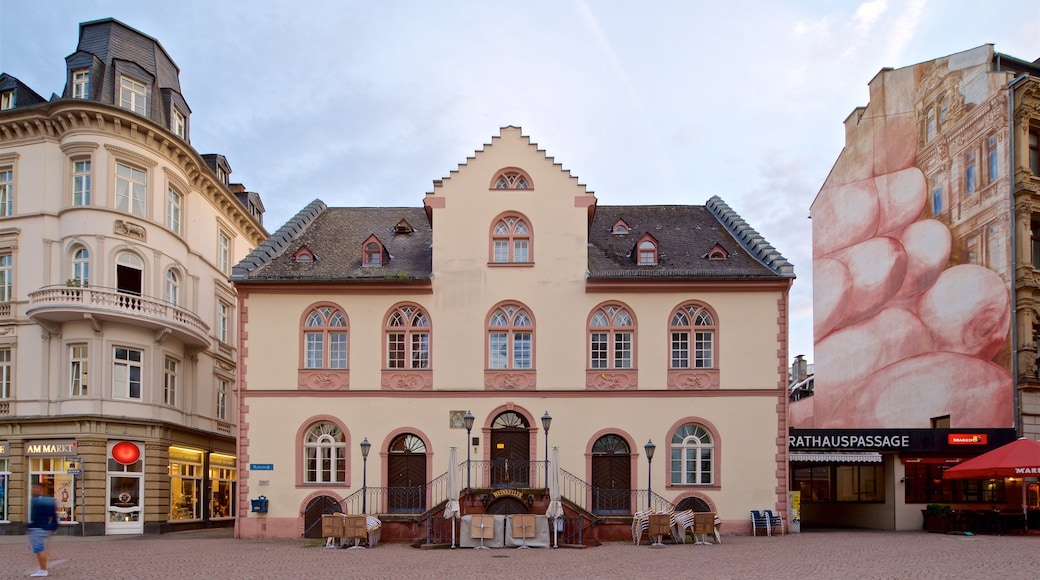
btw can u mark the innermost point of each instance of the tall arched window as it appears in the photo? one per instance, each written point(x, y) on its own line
point(693, 455)
point(81, 266)
point(325, 339)
point(511, 241)
point(173, 287)
point(325, 454)
point(510, 338)
point(407, 338)
point(693, 328)
point(611, 338)
point(129, 273)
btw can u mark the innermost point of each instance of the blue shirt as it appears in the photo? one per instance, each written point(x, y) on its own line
point(44, 513)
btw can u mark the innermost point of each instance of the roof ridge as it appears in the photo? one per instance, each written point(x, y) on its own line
point(752, 241)
point(278, 241)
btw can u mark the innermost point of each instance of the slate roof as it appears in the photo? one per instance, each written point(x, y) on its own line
point(335, 236)
point(684, 234)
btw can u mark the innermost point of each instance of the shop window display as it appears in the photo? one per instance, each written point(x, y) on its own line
point(185, 484)
point(52, 474)
point(124, 491)
point(222, 481)
point(5, 478)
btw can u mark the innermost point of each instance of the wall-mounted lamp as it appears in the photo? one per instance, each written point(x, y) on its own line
point(484, 499)
point(530, 500)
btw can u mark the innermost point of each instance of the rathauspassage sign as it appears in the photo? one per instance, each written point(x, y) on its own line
point(898, 440)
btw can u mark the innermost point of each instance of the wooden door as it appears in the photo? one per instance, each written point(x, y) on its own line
point(510, 458)
point(611, 476)
point(407, 479)
point(319, 506)
point(406, 475)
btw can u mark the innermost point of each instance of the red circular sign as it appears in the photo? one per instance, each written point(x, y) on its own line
point(126, 452)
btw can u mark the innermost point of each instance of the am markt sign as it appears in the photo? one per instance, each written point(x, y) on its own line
point(51, 448)
point(901, 440)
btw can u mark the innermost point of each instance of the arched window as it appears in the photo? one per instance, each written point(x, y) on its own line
point(407, 338)
point(325, 339)
point(511, 241)
point(373, 252)
point(692, 326)
point(81, 266)
point(512, 179)
point(693, 455)
point(647, 251)
point(129, 274)
point(173, 287)
point(611, 338)
point(510, 338)
point(325, 454)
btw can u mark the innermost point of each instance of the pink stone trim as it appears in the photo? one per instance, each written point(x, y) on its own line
point(406, 380)
point(693, 380)
point(511, 237)
point(323, 380)
point(633, 456)
point(509, 380)
point(611, 380)
point(716, 475)
point(301, 436)
point(325, 329)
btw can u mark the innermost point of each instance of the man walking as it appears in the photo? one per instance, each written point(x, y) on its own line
point(43, 520)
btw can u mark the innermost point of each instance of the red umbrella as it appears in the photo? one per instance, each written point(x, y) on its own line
point(1020, 459)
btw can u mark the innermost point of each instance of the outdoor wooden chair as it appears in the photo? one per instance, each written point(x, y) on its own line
point(706, 524)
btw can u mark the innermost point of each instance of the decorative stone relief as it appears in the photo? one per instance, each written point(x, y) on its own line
point(693, 380)
point(129, 229)
point(324, 380)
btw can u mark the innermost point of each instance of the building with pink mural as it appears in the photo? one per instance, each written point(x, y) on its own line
point(923, 295)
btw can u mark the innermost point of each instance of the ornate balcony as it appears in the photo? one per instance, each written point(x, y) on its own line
point(62, 303)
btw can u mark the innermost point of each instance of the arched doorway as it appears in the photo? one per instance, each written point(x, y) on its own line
point(611, 476)
point(507, 505)
point(693, 503)
point(510, 451)
point(406, 475)
point(317, 507)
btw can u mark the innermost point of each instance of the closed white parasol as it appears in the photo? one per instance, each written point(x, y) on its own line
point(555, 509)
point(452, 511)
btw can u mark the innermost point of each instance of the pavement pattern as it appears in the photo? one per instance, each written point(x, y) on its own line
point(837, 554)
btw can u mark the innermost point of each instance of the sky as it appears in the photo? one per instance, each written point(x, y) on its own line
point(655, 102)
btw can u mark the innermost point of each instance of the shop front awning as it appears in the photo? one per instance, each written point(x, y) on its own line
point(836, 456)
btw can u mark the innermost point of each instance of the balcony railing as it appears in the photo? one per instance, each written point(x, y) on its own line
point(61, 302)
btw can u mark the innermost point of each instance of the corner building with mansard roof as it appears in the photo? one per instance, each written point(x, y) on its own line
point(512, 298)
point(117, 320)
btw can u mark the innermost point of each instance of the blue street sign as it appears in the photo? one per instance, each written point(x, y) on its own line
point(261, 467)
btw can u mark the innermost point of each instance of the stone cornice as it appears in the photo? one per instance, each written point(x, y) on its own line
point(67, 116)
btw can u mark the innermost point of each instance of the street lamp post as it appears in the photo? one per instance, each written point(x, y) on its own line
point(546, 421)
point(467, 420)
point(365, 446)
point(649, 447)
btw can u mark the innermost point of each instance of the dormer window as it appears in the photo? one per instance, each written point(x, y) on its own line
point(646, 251)
point(403, 227)
point(179, 124)
point(304, 255)
point(620, 227)
point(6, 100)
point(132, 95)
point(81, 84)
point(512, 179)
point(717, 252)
point(372, 251)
